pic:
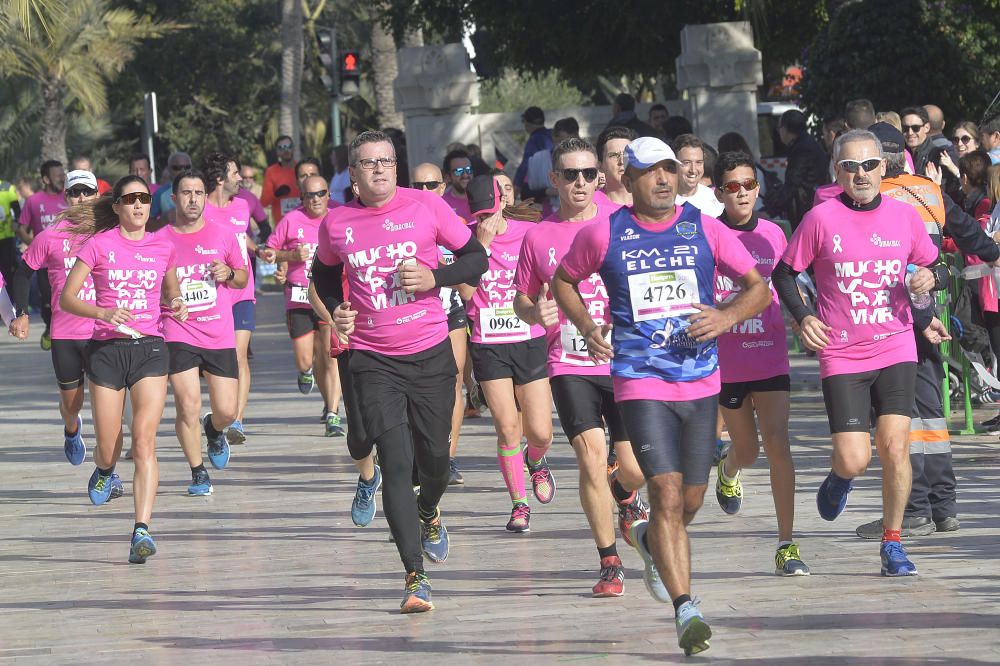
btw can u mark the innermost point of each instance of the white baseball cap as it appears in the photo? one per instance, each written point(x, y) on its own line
point(646, 151)
point(80, 177)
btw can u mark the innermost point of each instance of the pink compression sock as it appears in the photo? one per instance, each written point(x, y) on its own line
point(512, 469)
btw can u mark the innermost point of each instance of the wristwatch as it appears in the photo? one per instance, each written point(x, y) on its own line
point(232, 275)
point(22, 313)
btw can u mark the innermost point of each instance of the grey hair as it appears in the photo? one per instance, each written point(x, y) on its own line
point(895, 162)
point(368, 136)
point(571, 145)
point(854, 136)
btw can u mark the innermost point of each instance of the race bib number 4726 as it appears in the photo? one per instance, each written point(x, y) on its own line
point(661, 294)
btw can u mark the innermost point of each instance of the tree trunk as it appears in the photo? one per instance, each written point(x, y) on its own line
point(384, 70)
point(54, 120)
point(292, 53)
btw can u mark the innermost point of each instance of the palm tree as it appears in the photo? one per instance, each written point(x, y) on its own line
point(292, 54)
point(70, 49)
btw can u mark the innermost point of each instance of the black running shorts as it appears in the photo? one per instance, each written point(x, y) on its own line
point(69, 360)
point(524, 362)
point(119, 364)
point(673, 436)
point(585, 402)
point(855, 400)
point(217, 362)
point(302, 322)
point(734, 393)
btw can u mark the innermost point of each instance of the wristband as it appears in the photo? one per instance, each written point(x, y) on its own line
point(232, 275)
point(177, 298)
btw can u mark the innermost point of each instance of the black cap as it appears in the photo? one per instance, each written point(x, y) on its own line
point(533, 115)
point(484, 196)
point(890, 137)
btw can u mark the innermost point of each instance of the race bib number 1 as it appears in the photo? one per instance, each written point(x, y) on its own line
point(662, 294)
point(502, 325)
point(299, 294)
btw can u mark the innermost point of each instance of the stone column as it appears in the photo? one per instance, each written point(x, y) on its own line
point(719, 71)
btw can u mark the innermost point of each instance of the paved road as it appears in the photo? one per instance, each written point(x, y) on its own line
point(271, 569)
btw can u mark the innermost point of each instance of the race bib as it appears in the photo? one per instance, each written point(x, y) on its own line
point(574, 346)
point(502, 325)
point(289, 204)
point(300, 294)
point(199, 295)
point(662, 294)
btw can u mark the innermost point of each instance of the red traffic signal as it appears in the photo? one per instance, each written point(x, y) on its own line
point(350, 61)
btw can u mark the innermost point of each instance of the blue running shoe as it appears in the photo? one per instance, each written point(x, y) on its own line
point(894, 560)
point(416, 594)
point(235, 434)
point(829, 501)
point(117, 489)
point(434, 538)
point(143, 546)
point(650, 575)
point(201, 485)
point(363, 507)
point(73, 446)
point(333, 426)
point(218, 446)
point(99, 487)
point(692, 630)
point(306, 382)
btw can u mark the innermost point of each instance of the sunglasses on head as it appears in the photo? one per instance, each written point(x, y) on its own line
point(734, 186)
point(912, 128)
point(427, 184)
point(853, 166)
point(460, 171)
point(570, 175)
point(132, 197)
point(964, 139)
point(180, 167)
point(319, 194)
point(80, 192)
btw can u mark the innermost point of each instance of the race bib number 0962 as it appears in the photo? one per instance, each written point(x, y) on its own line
point(502, 325)
point(663, 294)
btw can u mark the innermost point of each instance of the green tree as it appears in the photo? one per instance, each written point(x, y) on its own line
point(515, 92)
point(71, 50)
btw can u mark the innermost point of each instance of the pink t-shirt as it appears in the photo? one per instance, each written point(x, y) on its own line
point(758, 347)
point(544, 247)
point(128, 274)
point(371, 242)
point(210, 311)
point(585, 257)
point(491, 309)
point(859, 262)
point(236, 218)
point(459, 204)
point(826, 192)
point(55, 249)
point(296, 228)
point(41, 209)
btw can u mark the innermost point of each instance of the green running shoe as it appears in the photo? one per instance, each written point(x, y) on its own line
point(788, 562)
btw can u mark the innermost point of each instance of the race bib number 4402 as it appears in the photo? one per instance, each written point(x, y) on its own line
point(661, 294)
point(502, 325)
point(198, 295)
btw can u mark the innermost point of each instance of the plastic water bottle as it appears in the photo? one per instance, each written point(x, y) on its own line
point(919, 301)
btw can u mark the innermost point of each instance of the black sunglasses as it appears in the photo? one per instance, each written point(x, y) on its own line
point(319, 194)
point(589, 174)
point(427, 184)
point(132, 197)
point(964, 139)
point(80, 192)
point(912, 128)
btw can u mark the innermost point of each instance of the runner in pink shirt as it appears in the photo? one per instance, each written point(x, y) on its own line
point(611, 155)
point(402, 364)
point(210, 267)
point(294, 242)
point(133, 273)
point(658, 261)
point(222, 206)
point(457, 169)
point(753, 360)
point(508, 354)
point(581, 387)
point(859, 246)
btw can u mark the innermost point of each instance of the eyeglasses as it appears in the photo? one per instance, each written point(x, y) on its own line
point(427, 184)
point(734, 186)
point(369, 163)
point(589, 174)
point(853, 166)
point(130, 198)
point(319, 194)
point(180, 167)
point(964, 139)
point(285, 146)
point(76, 192)
point(460, 171)
point(912, 128)
point(615, 157)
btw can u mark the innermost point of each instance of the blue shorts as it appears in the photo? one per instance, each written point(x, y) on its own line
point(245, 316)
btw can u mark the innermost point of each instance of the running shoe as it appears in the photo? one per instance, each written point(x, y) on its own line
point(99, 487)
point(477, 399)
point(73, 446)
point(363, 507)
point(913, 526)
point(788, 561)
point(991, 425)
point(201, 485)
point(326, 413)
point(543, 483)
point(829, 503)
point(434, 538)
point(612, 582)
point(650, 575)
point(729, 494)
point(143, 546)
point(416, 594)
point(218, 446)
point(894, 560)
point(235, 434)
point(455, 477)
point(692, 630)
point(720, 451)
point(629, 512)
point(520, 518)
point(46, 340)
point(333, 426)
point(117, 488)
point(306, 382)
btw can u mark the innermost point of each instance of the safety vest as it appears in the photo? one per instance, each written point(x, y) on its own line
point(924, 195)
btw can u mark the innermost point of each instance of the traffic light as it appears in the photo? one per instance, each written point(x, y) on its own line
point(350, 73)
point(327, 47)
